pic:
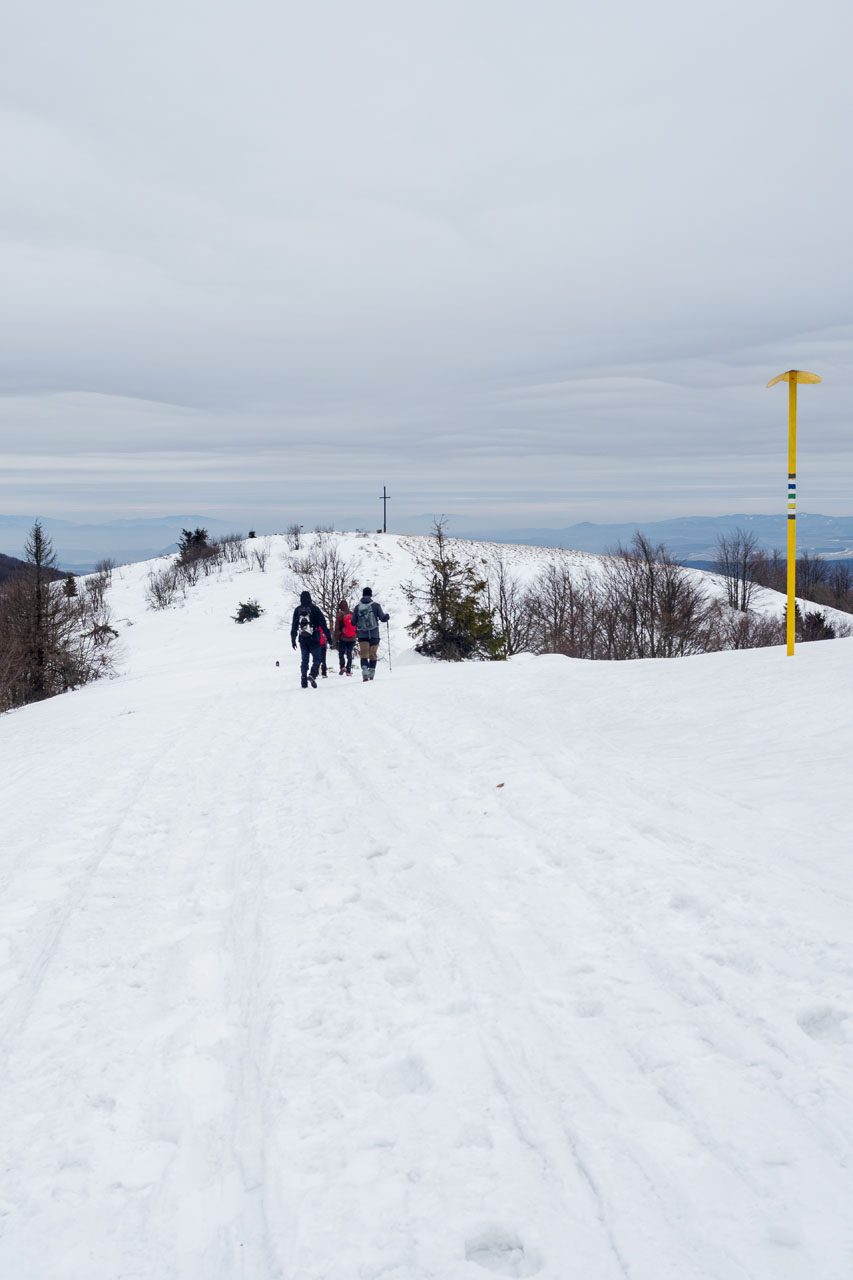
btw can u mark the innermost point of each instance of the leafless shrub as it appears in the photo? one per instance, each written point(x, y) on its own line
point(743, 629)
point(98, 582)
point(163, 587)
point(293, 533)
point(260, 555)
point(231, 548)
point(104, 568)
point(189, 572)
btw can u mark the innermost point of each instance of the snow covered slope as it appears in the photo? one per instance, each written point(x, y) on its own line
point(541, 968)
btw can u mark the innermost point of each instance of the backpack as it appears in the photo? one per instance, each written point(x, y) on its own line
point(348, 631)
point(365, 617)
point(303, 621)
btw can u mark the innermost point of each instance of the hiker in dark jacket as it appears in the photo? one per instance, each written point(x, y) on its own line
point(344, 637)
point(367, 616)
point(308, 621)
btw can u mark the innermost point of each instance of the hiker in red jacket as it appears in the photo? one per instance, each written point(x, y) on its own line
point(344, 637)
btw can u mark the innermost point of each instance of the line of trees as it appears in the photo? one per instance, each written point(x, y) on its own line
point(638, 602)
point(52, 637)
point(744, 567)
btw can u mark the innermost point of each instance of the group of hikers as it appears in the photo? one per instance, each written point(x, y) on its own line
point(315, 638)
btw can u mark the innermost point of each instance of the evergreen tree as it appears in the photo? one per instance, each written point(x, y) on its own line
point(37, 627)
point(193, 544)
point(454, 621)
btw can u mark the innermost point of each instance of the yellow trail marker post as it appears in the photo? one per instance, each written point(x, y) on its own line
point(792, 377)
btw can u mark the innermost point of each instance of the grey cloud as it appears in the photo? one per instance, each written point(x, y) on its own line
point(471, 246)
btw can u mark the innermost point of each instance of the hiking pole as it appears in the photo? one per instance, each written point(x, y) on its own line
point(388, 634)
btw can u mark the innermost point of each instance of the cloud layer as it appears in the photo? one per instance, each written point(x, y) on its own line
point(522, 259)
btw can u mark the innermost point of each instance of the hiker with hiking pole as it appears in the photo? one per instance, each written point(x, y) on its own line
point(366, 616)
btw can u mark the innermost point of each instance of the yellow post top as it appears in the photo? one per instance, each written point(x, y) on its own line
point(794, 375)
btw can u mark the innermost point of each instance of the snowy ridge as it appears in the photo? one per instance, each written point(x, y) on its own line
point(540, 968)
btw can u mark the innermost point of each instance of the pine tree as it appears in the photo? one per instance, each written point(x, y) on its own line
point(454, 621)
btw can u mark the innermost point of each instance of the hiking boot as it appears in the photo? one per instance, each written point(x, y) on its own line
point(312, 682)
point(304, 683)
point(365, 677)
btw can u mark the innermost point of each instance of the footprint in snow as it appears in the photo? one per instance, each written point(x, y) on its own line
point(408, 1076)
point(825, 1023)
point(589, 1008)
point(503, 1253)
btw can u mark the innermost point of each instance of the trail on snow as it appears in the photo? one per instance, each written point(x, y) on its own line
point(525, 969)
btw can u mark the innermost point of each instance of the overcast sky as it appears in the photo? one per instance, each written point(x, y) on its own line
point(528, 260)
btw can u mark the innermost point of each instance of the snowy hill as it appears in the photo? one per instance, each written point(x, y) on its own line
point(540, 968)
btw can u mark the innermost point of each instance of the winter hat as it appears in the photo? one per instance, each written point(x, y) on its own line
point(305, 598)
point(367, 592)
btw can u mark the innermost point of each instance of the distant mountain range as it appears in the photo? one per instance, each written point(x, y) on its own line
point(690, 538)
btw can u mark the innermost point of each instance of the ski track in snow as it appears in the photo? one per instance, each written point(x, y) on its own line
point(293, 988)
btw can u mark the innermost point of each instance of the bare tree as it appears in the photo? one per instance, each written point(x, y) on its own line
point(510, 608)
point(812, 571)
point(770, 570)
point(735, 562)
point(328, 575)
point(664, 612)
point(559, 606)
